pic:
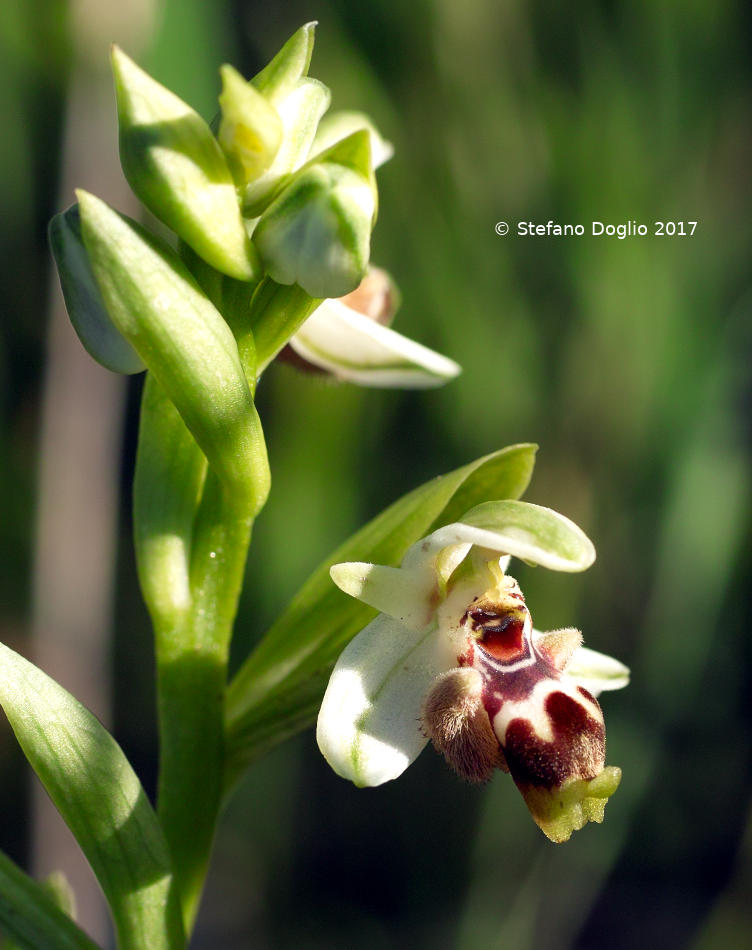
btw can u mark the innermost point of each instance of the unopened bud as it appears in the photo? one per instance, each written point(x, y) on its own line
point(176, 167)
point(336, 126)
point(317, 233)
point(300, 102)
point(250, 131)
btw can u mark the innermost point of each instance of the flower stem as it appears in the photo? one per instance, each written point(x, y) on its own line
point(192, 537)
point(277, 312)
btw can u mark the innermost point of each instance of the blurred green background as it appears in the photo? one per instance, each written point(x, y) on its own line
point(628, 361)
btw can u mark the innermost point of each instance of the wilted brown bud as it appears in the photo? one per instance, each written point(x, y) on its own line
point(376, 297)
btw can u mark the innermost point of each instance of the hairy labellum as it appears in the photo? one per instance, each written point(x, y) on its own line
point(549, 732)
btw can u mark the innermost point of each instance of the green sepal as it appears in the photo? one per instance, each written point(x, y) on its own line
point(98, 794)
point(317, 232)
point(176, 167)
point(83, 301)
point(157, 305)
point(536, 534)
point(250, 129)
point(277, 691)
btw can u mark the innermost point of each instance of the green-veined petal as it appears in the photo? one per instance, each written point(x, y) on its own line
point(369, 723)
point(400, 594)
point(354, 348)
point(529, 532)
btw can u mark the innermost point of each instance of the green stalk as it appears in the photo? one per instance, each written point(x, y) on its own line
point(277, 312)
point(192, 537)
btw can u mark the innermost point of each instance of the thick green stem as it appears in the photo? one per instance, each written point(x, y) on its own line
point(192, 537)
point(277, 312)
point(192, 673)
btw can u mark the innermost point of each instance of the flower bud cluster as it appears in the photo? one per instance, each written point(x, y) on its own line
point(281, 196)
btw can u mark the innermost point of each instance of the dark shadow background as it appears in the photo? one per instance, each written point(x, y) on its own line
point(626, 360)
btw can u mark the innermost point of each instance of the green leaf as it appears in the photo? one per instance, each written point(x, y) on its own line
point(83, 301)
point(277, 691)
point(29, 915)
point(98, 794)
point(176, 167)
point(158, 307)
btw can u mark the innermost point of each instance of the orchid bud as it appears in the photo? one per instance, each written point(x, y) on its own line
point(250, 131)
point(176, 167)
point(317, 232)
point(299, 102)
point(376, 297)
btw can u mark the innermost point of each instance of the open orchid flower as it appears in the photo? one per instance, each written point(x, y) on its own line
point(453, 657)
point(349, 339)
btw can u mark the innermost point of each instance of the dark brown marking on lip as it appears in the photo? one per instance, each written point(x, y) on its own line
point(577, 750)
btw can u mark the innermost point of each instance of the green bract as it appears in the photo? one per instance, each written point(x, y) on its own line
point(176, 167)
point(158, 307)
point(83, 299)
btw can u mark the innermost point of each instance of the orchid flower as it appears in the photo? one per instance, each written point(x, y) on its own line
point(453, 657)
point(350, 339)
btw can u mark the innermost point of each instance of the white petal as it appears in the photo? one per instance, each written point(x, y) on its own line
point(596, 671)
point(369, 727)
point(403, 595)
point(358, 350)
point(529, 532)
